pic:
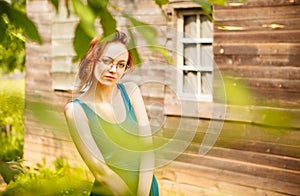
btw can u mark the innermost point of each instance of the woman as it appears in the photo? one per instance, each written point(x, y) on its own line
point(109, 124)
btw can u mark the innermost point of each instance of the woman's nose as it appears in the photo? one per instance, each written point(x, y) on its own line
point(112, 68)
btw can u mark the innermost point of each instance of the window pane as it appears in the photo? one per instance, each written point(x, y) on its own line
point(206, 78)
point(206, 55)
point(206, 27)
point(190, 82)
point(190, 54)
point(190, 26)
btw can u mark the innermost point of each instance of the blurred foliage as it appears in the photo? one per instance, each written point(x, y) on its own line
point(15, 27)
point(61, 179)
point(91, 10)
point(13, 12)
point(9, 170)
point(237, 92)
point(12, 94)
point(12, 48)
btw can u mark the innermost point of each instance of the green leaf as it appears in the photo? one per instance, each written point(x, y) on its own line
point(87, 17)
point(218, 2)
point(206, 6)
point(161, 2)
point(133, 50)
point(55, 3)
point(9, 170)
point(81, 41)
point(150, 34)
point(96, 4)
point(2, 29)
point(3, 6)
point(107, 21)
point(19, 19)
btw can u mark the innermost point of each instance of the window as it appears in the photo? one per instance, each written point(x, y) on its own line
point(63, 69)
point(194, 55)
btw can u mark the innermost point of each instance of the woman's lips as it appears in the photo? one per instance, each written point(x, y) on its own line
point(110, 77)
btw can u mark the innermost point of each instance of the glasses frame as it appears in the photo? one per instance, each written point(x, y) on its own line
point(110, 65)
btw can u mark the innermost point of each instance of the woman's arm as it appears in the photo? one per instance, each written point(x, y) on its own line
point(82, 137)
point(147, 159)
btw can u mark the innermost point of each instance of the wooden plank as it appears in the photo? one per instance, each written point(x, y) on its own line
point(45, 131)
point(258, 3)
point(287, 73)
point(38, 74)
point(280, 99)
point(263, 147)
point(257, 13)
point(154, 18)
point(31, 158)
point(263, 60)
point(257, 49)
point(285, 117)
point(63, 81)
point(284, 175)
point(43, 51)
point(36, 85)
point(283, 162)
point(244, 144)
point(257, 25)
point(62, 48)
point(241, 136)
point(169, 187)
point(49, 145)
point(177, 169)
point(148, 77)
point(272, 84)
point(278, 36)
point(245, 140)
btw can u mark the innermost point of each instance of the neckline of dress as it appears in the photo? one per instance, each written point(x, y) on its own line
point(102, 119)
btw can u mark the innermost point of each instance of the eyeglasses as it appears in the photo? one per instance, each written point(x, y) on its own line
point(109, 62)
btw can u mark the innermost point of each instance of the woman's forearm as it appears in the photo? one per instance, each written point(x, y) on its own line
point(146, 173)
point(112, 180)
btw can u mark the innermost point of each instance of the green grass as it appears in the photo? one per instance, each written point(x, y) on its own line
point(12, 96)
point(58, 180)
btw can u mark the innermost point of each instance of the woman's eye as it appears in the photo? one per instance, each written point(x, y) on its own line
point(121, 65)
point(106, 61)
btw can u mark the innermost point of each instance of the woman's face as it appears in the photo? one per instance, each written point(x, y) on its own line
point(112, 64)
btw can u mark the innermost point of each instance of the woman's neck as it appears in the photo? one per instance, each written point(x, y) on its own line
point(101, 93)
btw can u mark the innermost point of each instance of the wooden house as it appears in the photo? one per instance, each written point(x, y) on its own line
point(244, 140)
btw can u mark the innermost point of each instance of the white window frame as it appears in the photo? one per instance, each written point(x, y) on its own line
point(181, 40)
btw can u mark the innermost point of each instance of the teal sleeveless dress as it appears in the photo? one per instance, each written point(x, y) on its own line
point(117, 145)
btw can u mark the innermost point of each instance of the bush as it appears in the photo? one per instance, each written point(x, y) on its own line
point(60, 180)
point(12, 94)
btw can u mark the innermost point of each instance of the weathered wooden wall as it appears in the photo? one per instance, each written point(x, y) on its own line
point(252, 155)
point(258, 150)
point(43, 141)
point(261, 47)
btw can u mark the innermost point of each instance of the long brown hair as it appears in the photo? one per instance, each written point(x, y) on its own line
point(96, 48)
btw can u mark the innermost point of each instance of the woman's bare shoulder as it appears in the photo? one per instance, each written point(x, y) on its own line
point(73, 108)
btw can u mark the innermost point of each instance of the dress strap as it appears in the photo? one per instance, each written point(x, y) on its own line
point(88, 111)
point(126, 100)
point(125, 96)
